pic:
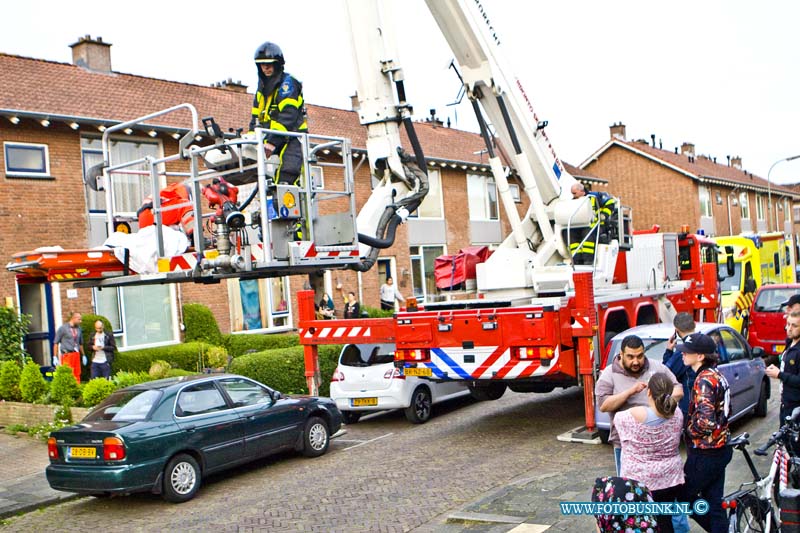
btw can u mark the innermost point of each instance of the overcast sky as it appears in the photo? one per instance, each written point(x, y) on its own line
point(720, 74)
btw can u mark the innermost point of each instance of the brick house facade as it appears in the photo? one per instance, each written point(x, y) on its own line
point(681, 187)
point(58, 111)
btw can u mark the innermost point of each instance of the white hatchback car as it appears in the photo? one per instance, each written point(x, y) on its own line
point(366, 380)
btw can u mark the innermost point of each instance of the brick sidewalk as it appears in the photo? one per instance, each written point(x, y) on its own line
point(23, 485)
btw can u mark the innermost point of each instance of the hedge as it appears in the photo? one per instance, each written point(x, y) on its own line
point(185, 356)
point(200, 325)
point(284, 369)
point(13, 328)
point(241, 344)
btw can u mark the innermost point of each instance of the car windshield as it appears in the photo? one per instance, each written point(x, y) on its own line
point(367, 354)
point(125, 406)
point(653, 348)
point(770, 300)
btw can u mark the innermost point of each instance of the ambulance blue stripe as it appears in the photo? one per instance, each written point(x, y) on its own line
point(557, 170)
point(451, 364)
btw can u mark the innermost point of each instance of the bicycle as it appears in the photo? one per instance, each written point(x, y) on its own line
point(756, 506)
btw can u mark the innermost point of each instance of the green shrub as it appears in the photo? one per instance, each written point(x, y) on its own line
point(241, 344)
point(10, 374)
point(200, 325)
point(13, 328)
point(216, 357)
point(87, 326)
point(127, 379)
point(64, 389)
point(186, 356)
point(63, 414)
point(178, 372)
point(374, 312)
point(159, 369)
point(284, 369)
point(96, 390)
point(32, 385)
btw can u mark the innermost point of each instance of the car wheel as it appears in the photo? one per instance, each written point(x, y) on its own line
point(419, 411)
point(350, 417)
point(316, 437)
point(181, 479)
point(604, 434)
point(492, 391)
point(100, 495)
point(761, 406)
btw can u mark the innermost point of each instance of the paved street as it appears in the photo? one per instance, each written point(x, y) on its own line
point(493, 460)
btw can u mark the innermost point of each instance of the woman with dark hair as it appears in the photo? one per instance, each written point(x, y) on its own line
point(326, 306)
point(650, 436)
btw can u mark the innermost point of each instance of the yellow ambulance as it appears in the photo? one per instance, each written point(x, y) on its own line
point(759, 258)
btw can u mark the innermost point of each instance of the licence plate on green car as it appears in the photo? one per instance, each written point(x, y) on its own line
point(364, 402)
point(81, 452)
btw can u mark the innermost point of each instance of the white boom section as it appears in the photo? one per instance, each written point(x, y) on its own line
point(377, 69)
point(467, 29)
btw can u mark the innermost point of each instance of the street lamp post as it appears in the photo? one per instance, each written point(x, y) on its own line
point(769, 187)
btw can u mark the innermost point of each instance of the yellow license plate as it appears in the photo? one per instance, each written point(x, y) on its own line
point(418, 371)
point(364, 402)
point(83, 453)
point(779, 348)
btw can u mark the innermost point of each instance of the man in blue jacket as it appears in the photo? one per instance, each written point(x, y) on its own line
point(673, 358)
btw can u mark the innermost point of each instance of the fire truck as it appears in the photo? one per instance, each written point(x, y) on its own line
point(570, 275)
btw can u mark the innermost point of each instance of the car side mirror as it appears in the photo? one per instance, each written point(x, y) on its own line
point(758, 351)
point(276, 395)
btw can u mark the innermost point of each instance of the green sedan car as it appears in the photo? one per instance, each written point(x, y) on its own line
point(165, 435)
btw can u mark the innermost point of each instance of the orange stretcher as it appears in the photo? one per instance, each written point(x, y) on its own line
point(67, 265)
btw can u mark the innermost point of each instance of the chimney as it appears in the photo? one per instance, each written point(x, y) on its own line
point(354, 105)
point(92, 54)
point(653, 139)
point(618, 131)
point(230, 85)
point(736, 162)
point(433, 119)
point(687, 149)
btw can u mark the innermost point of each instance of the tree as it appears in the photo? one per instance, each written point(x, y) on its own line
point(13, 328)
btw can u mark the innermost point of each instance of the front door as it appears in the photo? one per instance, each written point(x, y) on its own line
point(36, 300)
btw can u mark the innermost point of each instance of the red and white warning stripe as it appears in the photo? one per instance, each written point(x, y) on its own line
point(336, 333)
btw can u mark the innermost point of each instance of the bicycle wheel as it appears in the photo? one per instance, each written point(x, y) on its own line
point(748, 519)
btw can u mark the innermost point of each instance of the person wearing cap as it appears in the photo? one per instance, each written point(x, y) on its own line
point(673, 359)
point(623, 382)
point(707, 433)
point(279, 105)
point(789, 372)
point(792, 305)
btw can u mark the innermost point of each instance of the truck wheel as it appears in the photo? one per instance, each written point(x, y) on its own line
point(761, 406)
point(483, 393)
point(350, 417)
point(419, 411)
point(181, 479)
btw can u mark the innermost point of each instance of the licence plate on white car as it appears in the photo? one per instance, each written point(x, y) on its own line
point(418, 371)
point(364, 402)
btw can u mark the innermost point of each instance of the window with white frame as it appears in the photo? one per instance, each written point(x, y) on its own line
point(785, 205)
point(140, 316)
point(431, 206)
point(705, 201)
point(514, 189)
point(130, 184)
point(482, 197)
point(26, 160)
point(317, 177)
point(259, 304)
point(759, 207)
point(744, 204)
point(423, 260)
